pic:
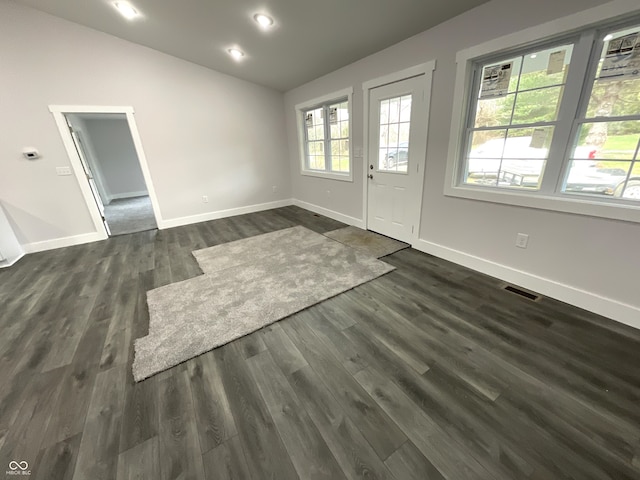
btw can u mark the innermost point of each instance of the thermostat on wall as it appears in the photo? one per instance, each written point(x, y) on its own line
point(31, 153)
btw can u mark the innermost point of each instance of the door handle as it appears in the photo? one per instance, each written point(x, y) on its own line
point(370, 176)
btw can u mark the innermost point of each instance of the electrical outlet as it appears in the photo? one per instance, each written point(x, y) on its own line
point(522, 240)
point(205, 199)
point(62, 171)
point(275, 188)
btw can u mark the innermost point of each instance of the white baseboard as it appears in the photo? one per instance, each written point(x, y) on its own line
point(63, 242)
point(5, 263)
point(118, 196)
point(205, 217)
point(607, 307)
point(340, 217)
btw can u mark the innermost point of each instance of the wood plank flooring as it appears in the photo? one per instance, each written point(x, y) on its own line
point(429, 372)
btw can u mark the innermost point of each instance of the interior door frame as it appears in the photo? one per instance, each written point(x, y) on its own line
point(95, 170)
point(425, 70)
point(59, 112)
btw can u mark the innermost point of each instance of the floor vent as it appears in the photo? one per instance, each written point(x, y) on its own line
point(531, 296)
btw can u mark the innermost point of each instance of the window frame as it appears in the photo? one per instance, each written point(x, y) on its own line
point(325, 101)
point(581, 116)
point(585, 27)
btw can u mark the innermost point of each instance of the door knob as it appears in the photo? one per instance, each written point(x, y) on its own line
point(370, 176)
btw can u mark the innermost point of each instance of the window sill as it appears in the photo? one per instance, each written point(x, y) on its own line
point(343, 177)
point(578, 204)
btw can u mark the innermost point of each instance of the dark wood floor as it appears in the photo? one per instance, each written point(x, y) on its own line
point(429, 372)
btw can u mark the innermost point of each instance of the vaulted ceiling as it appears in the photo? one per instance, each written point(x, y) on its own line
point(310, 38)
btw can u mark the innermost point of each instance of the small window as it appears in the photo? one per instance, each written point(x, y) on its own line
point(325, 138)
point(326, 130)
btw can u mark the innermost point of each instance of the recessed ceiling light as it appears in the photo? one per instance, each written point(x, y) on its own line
point(236, 53)
point(608, 37)
point(263, 20)
point(127, 10)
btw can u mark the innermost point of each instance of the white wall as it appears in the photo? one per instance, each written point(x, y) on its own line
point(116, 158)
point(579, 258)
point(203, 133)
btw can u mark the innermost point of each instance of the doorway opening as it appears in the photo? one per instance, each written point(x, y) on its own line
point(106, 155)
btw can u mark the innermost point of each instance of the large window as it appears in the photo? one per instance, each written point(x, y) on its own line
point(558, 119)
point(608, 125)
point(324, 132)
point(516, 114)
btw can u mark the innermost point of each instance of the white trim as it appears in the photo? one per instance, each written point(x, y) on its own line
point(175, 222)
point(425, 69)
point(6, 263)
point(92, 163)
point(343, 177)
point(340, 217)
point(119, 196)
point(608, 307)
point(62, 242)
point(575, 204)
point(146, 173)
point(58, 112)
point(76, 164)
point(89, 109)
point(345, 92)
point(299, 108)
point(205, 217)
point(568, 203)
point(10, 249)
point(394, 77)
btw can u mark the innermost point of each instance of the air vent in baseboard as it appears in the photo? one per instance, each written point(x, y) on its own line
point(528, 295)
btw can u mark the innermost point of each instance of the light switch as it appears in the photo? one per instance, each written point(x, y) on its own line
point(522, 240)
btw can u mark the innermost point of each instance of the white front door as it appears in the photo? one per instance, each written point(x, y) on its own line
point(396, 151)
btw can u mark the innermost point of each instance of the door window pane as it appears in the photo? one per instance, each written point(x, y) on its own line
point(395, 124)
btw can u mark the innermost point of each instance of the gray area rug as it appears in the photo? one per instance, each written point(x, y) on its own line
point(246, 285)
point(130, 215)
point(367, 242)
